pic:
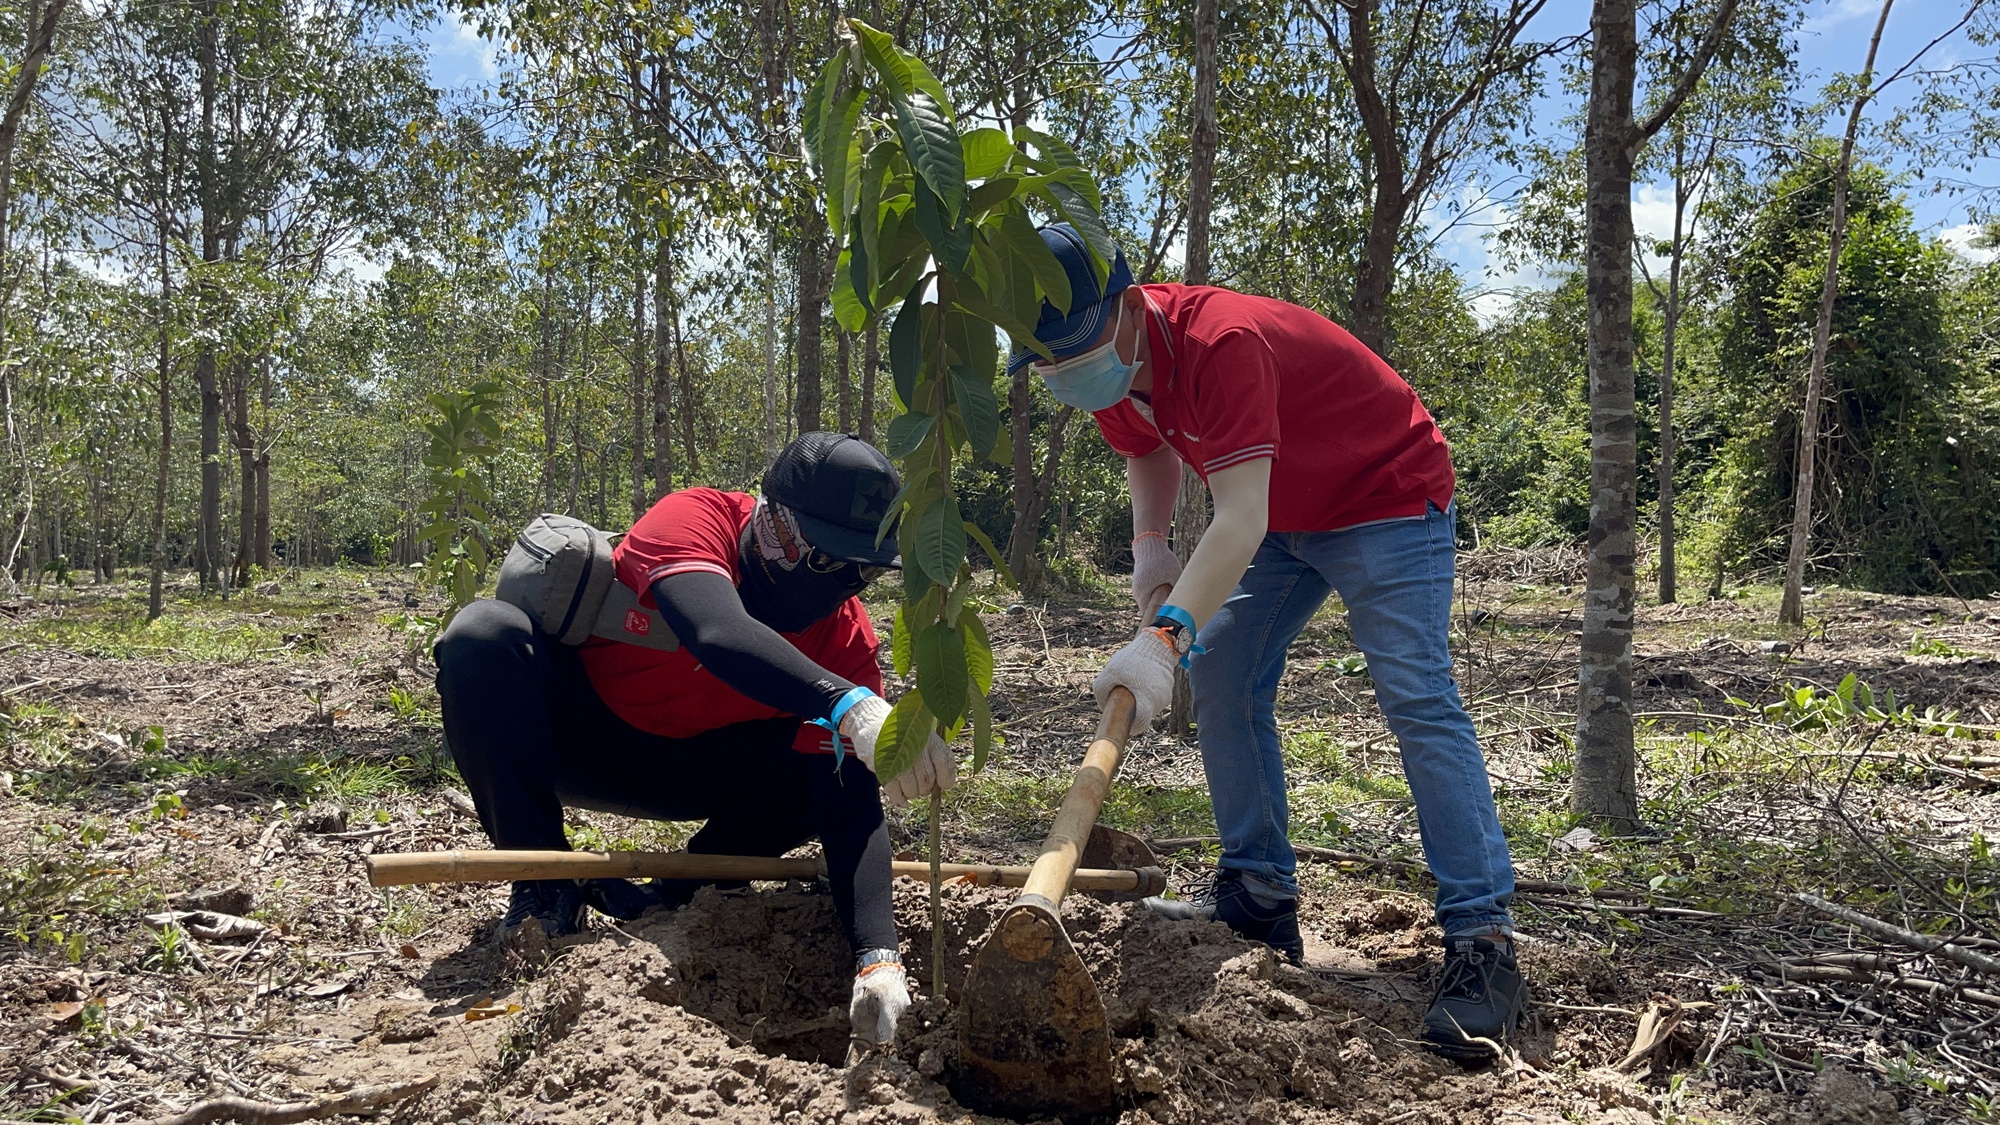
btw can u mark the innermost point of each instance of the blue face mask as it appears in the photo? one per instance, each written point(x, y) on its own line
point(1095, 380)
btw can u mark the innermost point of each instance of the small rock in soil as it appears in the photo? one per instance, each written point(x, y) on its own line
point(1774, 648)
point(404, 1024)
point(269, 589)
point(221, 898)
point(323, 817)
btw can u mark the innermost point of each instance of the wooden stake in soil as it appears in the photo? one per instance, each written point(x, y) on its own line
point(937, 896)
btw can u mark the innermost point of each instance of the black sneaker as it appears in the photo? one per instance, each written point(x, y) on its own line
point(1227, 900)
point(620, 898)
point(557, 904)
point(1479, 999)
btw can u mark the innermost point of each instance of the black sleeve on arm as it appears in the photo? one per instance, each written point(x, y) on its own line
point(703, 610)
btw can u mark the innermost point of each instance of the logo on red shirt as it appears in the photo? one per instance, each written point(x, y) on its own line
point(638, 623)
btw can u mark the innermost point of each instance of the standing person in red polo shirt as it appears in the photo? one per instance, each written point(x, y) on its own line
point(1328, 475)
point(735, 725)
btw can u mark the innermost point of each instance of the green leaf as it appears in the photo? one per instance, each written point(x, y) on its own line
point(950, 242)
point(905, 432)
point(993, 554)
point(839, 148)
point(869, 201)
point(906, 347)
point(890, 62)
point(941, 672)
point(990, 194)
point(903, 735)
point(978, 652)
point(922, 79)
point(1088, 223)
point(940, 540)
point(932, 145)
point(861, 275)
point(916, 484)
point(812, 115)
point(977, 407)
point(1019, 238)
point(986, 152)
point(848, 307)
point(899, 644)
point(1063, 157)
point(982, 730)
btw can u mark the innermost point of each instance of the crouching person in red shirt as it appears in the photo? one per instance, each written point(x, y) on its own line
point(734, 726)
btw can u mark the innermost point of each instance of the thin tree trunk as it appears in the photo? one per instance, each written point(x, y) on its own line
point(640, 397)
point(545, 387)
point(770, 350)
point(1604, 786)
point(808, 396)
point(1191, 507)
point(157, 571)
point(1022, 550)
point(844, 378)
point(208, 543)
point(663, 368)
point(871, 360)
point(41, 39)
point(1020, 436)
point(1669, 332)
point(1791, 609)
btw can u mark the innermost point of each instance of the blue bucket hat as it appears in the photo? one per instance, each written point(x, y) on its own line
point(1068, 334)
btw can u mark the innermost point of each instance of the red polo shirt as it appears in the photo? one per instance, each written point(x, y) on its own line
point(1237, 377)
point(670, 693)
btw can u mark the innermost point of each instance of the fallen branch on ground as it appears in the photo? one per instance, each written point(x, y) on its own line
point(282, 1113)
point(1842, 974)
point(1877, 928)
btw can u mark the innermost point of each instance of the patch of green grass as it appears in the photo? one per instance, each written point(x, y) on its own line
point(1921, 645)
point(119, 630)
point(1021, 807)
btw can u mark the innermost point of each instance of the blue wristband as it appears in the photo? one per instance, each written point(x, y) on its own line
point(1185, 620)
point(841, 707)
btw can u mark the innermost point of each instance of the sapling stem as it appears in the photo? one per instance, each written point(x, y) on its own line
point(937, 895)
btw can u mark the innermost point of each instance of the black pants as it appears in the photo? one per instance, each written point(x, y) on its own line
point(530, 736)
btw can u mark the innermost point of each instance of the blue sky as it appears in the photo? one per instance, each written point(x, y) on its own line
point(1833, 39)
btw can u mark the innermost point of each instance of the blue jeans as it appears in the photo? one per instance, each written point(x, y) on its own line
point(1396, 580)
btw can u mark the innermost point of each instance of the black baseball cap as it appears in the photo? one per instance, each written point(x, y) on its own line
point(840, 488)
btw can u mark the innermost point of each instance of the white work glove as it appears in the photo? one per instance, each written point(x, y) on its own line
point(862, 725)
point(1144, 667)
point(934, 771)
point(881, 996)
point(1154, 565)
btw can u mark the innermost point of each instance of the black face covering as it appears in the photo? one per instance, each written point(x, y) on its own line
point(787, 583)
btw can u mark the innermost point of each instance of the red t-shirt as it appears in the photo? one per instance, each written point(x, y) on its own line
point(1355, 445)
point(670, 693)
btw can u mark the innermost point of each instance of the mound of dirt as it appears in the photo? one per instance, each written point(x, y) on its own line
point(734, 1010)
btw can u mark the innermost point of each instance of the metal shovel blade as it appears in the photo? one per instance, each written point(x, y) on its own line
point(1034, 1038)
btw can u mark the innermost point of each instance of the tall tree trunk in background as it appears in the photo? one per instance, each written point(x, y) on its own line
point(1191, 507)
point(640, 397)
point(545, 386)
point(1791, 609)
point(1375, 271)
point(1022, 543)
point(871, 360)
point(1021, 536)
point(156, 576)
point(1605, 787)
point(844, 375)
point(41, 39)
point(1669, 333)
point(208, 541)
point(260, 535)
point(814, 273)
point(666, 302)
point(689, 445)
point(663, 367)
point(246, 466)
point(770, 349)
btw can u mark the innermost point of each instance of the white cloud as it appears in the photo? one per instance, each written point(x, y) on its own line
point(1837, 13)
point(1961, 237)
point(458, 54)
point(359, 267)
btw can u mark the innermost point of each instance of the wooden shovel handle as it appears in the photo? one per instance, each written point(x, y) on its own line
point(506, 866)
point(1054, 872)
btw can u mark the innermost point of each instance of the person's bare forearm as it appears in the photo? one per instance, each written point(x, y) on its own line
point(1155, 481)
point(1242, 514)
